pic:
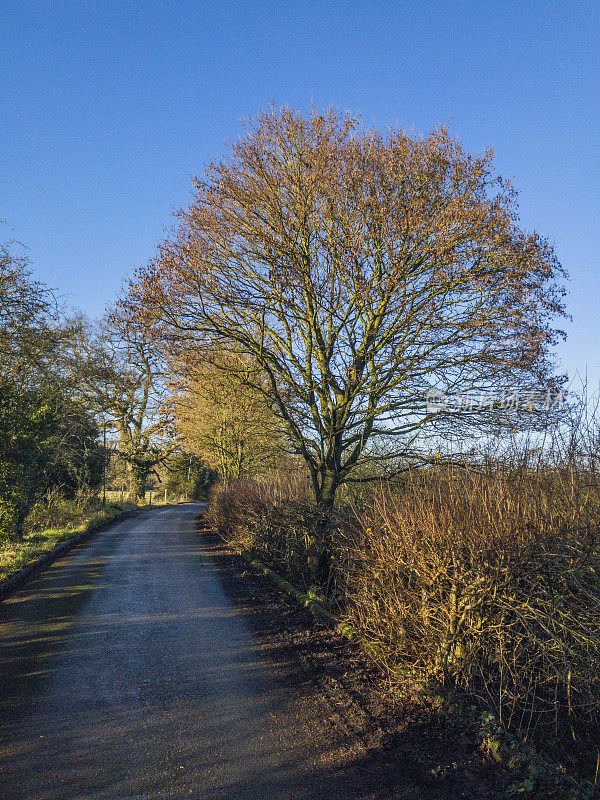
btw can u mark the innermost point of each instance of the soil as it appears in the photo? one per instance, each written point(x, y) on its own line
point(412, 742)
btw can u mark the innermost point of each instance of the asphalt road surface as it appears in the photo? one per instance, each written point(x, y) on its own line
point(126, 672)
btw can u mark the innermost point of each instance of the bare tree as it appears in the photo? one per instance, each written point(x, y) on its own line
point(118, 373)
point(360, 271)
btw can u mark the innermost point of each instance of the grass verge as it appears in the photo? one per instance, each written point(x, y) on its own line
point(16, 555)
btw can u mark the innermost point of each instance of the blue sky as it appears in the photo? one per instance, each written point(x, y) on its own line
point(109, 109)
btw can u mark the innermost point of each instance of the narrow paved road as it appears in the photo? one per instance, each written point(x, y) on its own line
point(127, 673)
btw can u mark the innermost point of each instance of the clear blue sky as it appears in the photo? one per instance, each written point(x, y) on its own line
point(109, 108)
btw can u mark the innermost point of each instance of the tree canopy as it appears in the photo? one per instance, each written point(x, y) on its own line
point(222, 417)
point(360, 271)
point(47, 438)
point(32, 332)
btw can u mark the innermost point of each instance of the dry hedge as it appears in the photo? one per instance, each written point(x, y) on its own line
point(485, 581)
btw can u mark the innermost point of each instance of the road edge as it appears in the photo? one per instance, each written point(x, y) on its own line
point(9, 585)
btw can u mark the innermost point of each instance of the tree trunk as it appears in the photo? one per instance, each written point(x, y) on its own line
point(137, 483)
point(326, 492)
point(319, 554)
point(138, 490)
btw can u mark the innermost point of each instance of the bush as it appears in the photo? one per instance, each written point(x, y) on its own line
point(59, 510)
point(46, 441)
point(487, 580)
point(188, 475)
point(490, 582)
point(275, 518)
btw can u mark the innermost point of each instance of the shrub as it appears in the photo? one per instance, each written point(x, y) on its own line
point(58, 510)
point(188, 475)
point(484, 578)
point(487, 580)
point(490, 582)
point(275, 518)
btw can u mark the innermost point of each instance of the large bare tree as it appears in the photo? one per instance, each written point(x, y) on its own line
point(360, 271)
point(118, 373)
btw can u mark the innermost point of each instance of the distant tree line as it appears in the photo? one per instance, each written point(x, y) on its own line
point(73, 392)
